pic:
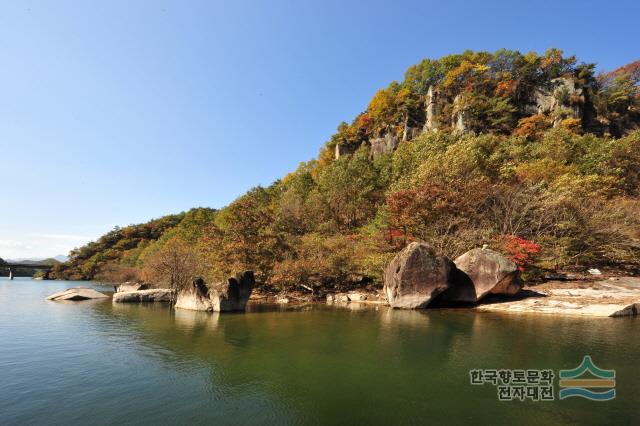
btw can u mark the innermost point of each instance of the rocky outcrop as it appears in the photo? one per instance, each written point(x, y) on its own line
point(410, 132)
point(129, 286)
point(344, 149)
point(480, 272)
point(143, 296)
point(383, 144)
point(415, 276)
point(604, 298)
point(232, 295)
point(562, 98)
point(78, 293)
point(432, 110)
point(459, 117)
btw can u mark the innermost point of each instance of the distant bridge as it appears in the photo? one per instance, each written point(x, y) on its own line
point(13, 266)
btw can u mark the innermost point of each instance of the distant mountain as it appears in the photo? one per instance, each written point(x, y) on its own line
point(39, 261)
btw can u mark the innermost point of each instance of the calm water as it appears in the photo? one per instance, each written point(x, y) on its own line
point(98, 363)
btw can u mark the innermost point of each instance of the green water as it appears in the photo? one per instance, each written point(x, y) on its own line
point(97, 363)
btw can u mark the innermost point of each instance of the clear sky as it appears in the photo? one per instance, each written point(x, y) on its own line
point(116, 112)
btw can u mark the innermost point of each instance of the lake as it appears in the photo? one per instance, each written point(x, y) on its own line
point(93, 362)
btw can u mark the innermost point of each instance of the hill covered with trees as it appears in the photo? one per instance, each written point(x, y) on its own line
point(534, 155)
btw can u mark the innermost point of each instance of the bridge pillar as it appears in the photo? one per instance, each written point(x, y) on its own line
point(10, 274)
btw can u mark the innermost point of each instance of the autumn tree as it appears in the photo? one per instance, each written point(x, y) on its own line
point(174, 265)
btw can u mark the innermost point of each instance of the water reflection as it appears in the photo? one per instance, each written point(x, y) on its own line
point(193, 320)
point(294, 364)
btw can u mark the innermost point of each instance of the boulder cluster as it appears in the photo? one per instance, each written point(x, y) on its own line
point(229, 296)
point(418, 275)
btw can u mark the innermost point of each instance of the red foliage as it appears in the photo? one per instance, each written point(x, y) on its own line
point(521, 251)
point(632, 69)
point(363, 120)
point(396, 233)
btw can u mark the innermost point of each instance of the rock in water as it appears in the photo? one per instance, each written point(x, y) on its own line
point(142, 296)
point(482, 272)
point(234, 294)
point(357, 297)
point(129, 286)
point(194, 297)
point(223, 297)
point(78, 293)
point(415, 276)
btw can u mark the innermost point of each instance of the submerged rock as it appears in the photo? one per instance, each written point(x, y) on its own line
point(415, 276)
point(142, 296)
point(78, 293)
point(223, 297)
point(480, 272)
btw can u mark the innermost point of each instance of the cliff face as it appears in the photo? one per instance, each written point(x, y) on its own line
point(562, 98)
point(497, 92)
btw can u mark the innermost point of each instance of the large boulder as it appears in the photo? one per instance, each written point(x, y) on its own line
point(143, 296)
point(415, 276)
point(78, 293)
point(195, 297)
point(482, 271)
point(229, 296)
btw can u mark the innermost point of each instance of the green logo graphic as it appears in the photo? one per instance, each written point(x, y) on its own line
point(572, 385)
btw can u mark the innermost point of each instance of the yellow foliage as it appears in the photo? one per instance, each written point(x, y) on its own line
point(574, 125)
point(544, 170)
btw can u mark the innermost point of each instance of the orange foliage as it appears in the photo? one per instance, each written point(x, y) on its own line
point(533, 126)
point(505, 88)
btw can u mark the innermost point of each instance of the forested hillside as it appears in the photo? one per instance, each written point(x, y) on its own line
point(534, 155)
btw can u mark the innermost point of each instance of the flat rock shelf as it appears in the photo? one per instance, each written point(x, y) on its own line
point(608, 298)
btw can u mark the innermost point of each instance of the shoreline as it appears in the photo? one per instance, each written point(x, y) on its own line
point(589, 297)
point(582, 297)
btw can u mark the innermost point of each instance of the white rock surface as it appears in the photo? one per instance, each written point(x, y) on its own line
point(576, 298)
point(140, 296)
point(78, 293)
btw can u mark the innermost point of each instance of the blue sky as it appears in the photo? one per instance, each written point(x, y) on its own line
point(117, 112)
